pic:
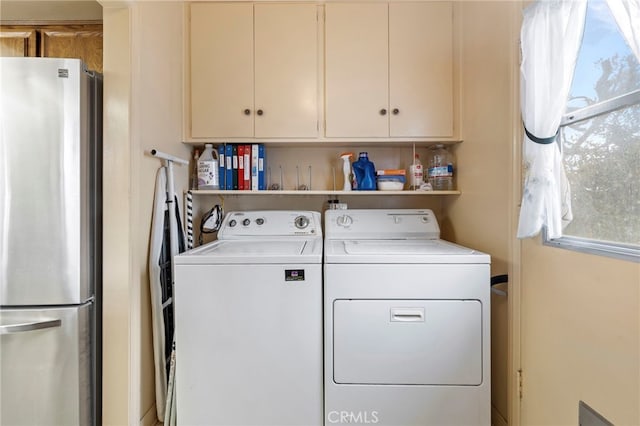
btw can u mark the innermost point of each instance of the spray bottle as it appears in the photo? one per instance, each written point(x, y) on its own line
point(346, 170)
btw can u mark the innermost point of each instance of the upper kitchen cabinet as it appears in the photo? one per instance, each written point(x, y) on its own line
point(17, 42)
point(254, 70)
point(74, 41)
point(389, 70)
point(82, 41)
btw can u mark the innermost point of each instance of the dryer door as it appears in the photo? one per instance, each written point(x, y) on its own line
point(407, 342)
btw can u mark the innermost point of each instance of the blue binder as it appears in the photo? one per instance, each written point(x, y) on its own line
point(228, 158)
point(222, 166)
point(262, 184)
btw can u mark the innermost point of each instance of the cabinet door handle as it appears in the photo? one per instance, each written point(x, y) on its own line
point(383, 111)
point(247, 111)
point(396, 111)
point(259, 112)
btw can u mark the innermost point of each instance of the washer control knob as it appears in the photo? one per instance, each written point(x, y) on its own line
point(246, 222)
point(344, 220)
point(260, 221)
point(301, 222)
point(232, 223)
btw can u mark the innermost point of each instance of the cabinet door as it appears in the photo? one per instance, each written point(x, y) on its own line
point(222, 70)
point(17, 42)
point(286, 70)
point(83, 42)
point(356, 67)
point(421, 69)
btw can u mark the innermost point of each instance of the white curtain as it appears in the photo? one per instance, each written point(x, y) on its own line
point(627, 16)
point(551, 36)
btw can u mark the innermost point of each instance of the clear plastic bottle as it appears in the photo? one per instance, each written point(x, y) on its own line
point(416, 173)
point(208, 171)
point(441, 167)
point(365, 173)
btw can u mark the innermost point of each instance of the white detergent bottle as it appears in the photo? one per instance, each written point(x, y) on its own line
point(208, 171)
point(346, 170)
point(415, 173)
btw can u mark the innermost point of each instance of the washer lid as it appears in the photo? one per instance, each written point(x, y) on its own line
point(400, 251)
point(259, 251)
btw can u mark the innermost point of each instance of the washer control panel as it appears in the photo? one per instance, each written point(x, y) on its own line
point(274, 223)
point(381, 224)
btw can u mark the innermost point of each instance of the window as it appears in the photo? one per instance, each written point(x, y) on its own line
point(600, 140)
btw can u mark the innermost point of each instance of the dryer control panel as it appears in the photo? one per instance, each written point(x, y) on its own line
point(381, 224)
point(270, 223)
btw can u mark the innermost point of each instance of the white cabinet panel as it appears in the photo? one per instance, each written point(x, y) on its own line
point(389, 69)
point(254, 70)
point(356, 70)
point(221, 69)
point(421, 69)
point(286, 70)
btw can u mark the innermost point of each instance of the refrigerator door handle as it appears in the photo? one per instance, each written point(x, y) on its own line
point(29, 326)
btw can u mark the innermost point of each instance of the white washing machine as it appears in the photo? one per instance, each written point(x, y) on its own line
point(407, 322)
point(248, 315)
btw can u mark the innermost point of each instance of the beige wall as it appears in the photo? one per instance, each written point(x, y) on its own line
point(158, 49)
point(143, 110)
point(482, 216)
point(117, 247)
point(580, 336)
point(78, 10)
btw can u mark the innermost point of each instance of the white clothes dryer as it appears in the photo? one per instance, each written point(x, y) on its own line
point(407, 332)
point(248, 315)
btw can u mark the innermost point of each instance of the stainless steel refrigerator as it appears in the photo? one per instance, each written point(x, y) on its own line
point(50, 242)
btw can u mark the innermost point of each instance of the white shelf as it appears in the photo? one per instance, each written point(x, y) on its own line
point(324, 192)
point(322, 142)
